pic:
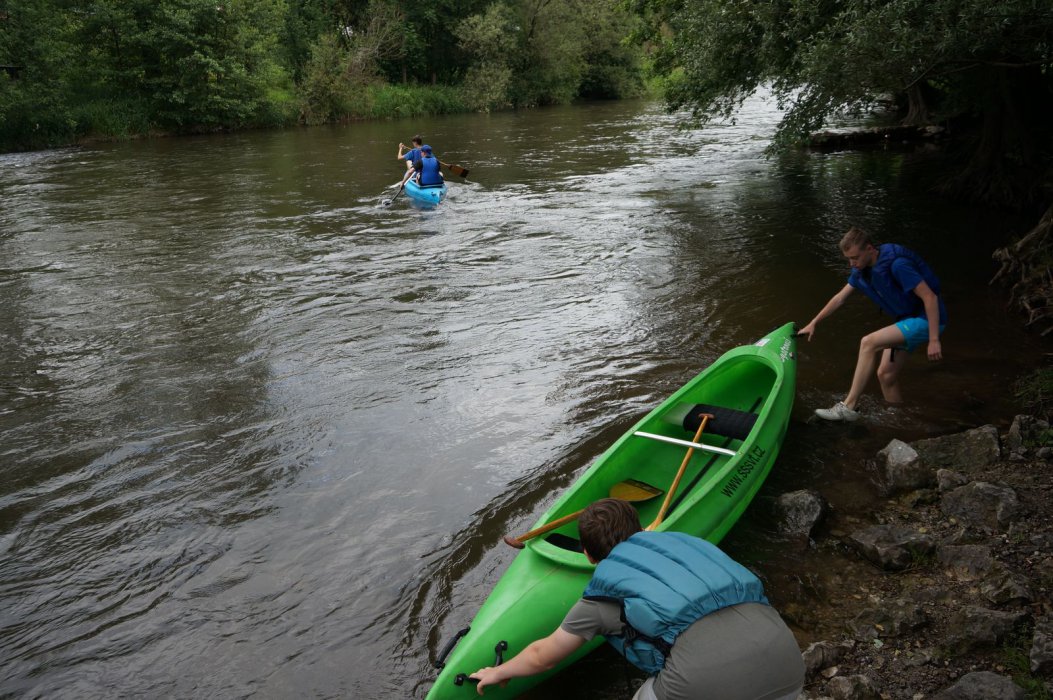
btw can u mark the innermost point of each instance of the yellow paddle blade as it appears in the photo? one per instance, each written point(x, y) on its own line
point(633, 490)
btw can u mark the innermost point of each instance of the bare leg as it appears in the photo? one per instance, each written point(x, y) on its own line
point(888, 374)
point(869, 347)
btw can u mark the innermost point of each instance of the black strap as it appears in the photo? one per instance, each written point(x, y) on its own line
point(694, 482)
point(630, 633)
point(726, 422)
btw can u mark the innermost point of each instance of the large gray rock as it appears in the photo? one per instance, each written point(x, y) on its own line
point(892, 618)
point(969, 452)
point(1027, 433)
point(1003, 587)
point(1042, 647)
point(820, 655)
point(985, 506)
point(982, 685)
point(892, 547)
point(948, 480)
point(965, 562)
point(857, 687)
point(798, 512)
point(974, 628)
point(903, 469)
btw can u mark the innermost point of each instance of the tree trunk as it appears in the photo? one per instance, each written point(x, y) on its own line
point(917, 106)
point(1003, 167)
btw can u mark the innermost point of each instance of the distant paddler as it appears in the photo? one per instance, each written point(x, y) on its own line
point(411, 154)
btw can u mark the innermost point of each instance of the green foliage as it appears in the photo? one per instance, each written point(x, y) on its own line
point(413, 101)
point(532, 52)
point(118, 68)
point(491, 38)
point(1035, 391)
point(325, 94)
point(973, 59)
point(1016, 650)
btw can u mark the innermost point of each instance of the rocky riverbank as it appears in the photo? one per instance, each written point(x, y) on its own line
point(944, 593)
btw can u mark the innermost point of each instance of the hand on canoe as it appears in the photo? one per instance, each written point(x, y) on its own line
point(538, 656)
point(488, 676)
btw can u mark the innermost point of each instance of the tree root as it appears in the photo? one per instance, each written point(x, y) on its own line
point(1026, 266)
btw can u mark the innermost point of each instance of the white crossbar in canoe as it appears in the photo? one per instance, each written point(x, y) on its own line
point(686, 443)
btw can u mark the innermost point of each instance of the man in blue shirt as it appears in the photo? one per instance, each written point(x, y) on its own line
point(904, 287)
point(413, 154)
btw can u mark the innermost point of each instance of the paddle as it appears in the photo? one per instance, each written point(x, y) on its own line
point(680, 473)
point(455, 169)
point(401, 187)
point(631, 491)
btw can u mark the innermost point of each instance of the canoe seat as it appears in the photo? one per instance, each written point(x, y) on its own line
point(565, 542)
point(726, 422)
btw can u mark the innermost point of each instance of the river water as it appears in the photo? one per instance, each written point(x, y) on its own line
point(260, 434)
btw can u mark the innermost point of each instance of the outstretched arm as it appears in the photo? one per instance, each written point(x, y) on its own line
point(932, 313)
point(402, 147)
point(539, 656)
point(831, 306)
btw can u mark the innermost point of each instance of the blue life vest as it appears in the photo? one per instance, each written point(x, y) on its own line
point(665, 582)
point(429, 172)
point(885, 290)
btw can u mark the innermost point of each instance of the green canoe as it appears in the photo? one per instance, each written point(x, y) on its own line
point(749, 391)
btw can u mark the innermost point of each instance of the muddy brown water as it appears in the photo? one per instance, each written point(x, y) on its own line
point(261, 434)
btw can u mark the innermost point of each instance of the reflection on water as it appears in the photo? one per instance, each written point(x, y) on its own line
point(262, 433)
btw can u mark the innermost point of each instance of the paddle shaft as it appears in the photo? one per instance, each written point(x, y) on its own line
point(401, 187)
point(679, 473)
point(630, 490)
point(517, 542)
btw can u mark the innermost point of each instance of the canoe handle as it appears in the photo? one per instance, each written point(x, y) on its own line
point(440, 663)
point(499, 658)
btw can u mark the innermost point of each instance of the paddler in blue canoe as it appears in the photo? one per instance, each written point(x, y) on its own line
point(412, 154)
point(428, 169)
point(676, 607)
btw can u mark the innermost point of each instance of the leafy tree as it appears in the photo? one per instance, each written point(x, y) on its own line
point(531, 52)
point(344, 63)
point(962, 60)
point(198, 63)
point(34, 109)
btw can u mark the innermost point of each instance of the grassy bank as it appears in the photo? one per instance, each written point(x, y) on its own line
point(95, 119)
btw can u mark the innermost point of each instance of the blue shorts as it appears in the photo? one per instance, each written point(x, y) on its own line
point(915, 331)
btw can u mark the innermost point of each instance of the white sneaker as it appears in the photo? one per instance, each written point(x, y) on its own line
point(839, 412)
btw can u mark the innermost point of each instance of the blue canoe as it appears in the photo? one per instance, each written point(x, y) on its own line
point(427, 196)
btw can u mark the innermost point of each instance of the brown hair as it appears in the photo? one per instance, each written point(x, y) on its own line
point(606, 523)
point(855, 237)
point(418, 139)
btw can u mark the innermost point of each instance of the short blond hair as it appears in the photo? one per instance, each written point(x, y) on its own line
point(855, 237)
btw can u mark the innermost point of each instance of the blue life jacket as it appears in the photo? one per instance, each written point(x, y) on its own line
point(883, 288)
point(430, 175)
point(665, 582)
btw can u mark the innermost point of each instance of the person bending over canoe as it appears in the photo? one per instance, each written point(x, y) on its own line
point(428, 168)
point(905, 287)
point(676, 607)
